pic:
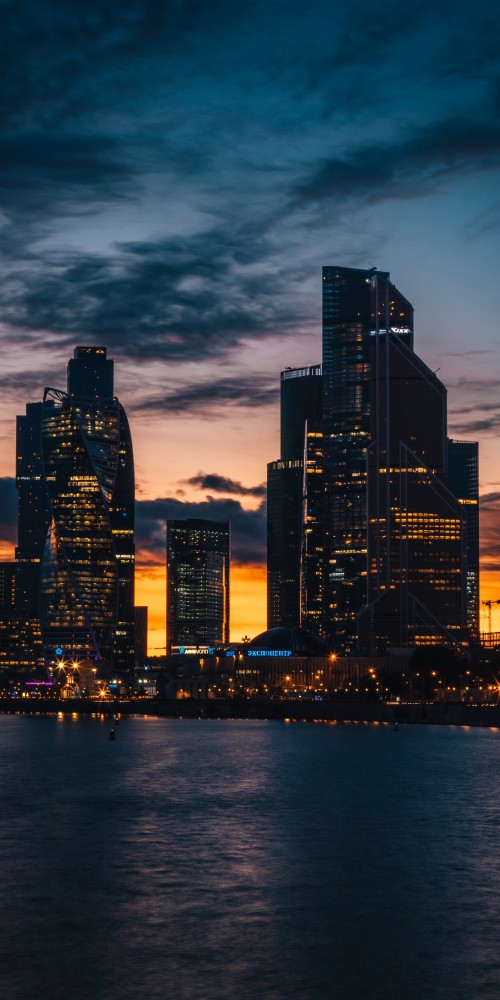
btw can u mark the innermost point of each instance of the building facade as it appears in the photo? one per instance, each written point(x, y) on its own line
point(198, 573)
point(301, 402)
point(463, 480)
point(383, 547)
point(33, 509)
point(416, 540)
point(312, 553)
point(141, 633)
point(20, 638)
point(357, 305)
point(87, 573)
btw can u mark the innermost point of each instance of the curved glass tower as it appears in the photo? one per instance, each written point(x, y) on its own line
point(87, 575)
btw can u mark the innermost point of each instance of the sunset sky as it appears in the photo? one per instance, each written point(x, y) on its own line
point(173, 176)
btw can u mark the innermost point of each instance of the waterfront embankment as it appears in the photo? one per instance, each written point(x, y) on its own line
point(417, 713)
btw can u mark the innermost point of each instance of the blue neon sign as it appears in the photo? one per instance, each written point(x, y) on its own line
point(269, 652)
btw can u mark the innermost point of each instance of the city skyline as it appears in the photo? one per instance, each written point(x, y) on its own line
point(171, 188)
point(370, 539)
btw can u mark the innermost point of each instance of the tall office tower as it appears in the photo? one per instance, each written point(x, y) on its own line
point(357, 305)
point(7, 613)
point(7, 586)
point(416, 527)
point(20, 639)
point(301, 395)
point(198, 558)
point(87, 578)
point(312, 563)
point(33, 509)
point(301, 400)
point(463, 480)
point(141, 632)
point(284, 533)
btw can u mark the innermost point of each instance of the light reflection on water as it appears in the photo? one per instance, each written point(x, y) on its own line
point(219, 860)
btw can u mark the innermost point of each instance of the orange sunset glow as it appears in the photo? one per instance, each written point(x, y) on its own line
point(172, 450)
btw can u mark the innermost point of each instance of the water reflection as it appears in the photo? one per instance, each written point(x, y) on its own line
point(226, 860)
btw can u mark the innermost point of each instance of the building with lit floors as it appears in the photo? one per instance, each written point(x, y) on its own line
point(312, 552)
point(198, 568)
point(357, 305)
point(20, 639)
point(33, 509)
point(301, 400)
point(463, 481)
point(416, 535)
point(381, 549)
point(87, 574)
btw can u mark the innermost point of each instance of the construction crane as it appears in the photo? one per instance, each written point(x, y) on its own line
point(488, 605)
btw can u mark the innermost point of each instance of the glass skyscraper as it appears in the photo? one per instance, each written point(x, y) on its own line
point(87, 574)
point(301, 399)
point(312, 554)
point(33, 510)
point(382, 548)
point(357, 305)
point(198, 564)
point(284, 534)
point(463, 480)
point(416, 593)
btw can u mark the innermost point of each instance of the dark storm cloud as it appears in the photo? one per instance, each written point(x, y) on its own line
point(490, 501)
point(48, 163)
point(403, 167)
point(183, 298)
point(221, 484)
point(248, 527)
point(197, 398)
point(468, 419)
point(478, 385)
point(485, 426)
point(26, 386)
point(248, 114)
point(8, 509)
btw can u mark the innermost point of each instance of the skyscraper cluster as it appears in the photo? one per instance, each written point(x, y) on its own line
point(373, 519)
point(373, 531)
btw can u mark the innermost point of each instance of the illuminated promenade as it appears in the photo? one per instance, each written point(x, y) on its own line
point(378, 713)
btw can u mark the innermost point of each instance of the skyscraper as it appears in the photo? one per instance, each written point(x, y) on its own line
point(20, 639)
point(382, 534)
point(198, 564)
point(357, 304)
point(301, 398)
point(7, 586)
point(416, 526)
point(33, 509)
point(141, 632)
point(312, 555)
point(463, 480)
point(87, 577)
point(284, 533)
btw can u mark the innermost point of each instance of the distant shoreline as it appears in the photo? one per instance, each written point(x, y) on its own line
point(430, 713)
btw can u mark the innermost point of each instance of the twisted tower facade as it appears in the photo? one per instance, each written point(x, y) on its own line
point(87, 573)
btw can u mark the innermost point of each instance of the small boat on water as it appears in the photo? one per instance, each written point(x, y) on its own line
point(112, 734)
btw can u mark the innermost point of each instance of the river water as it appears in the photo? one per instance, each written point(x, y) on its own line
point(220, 860)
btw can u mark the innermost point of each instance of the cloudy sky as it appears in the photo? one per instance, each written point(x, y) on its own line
point(173, 175)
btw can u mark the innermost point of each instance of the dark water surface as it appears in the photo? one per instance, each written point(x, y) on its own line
point(218, 860)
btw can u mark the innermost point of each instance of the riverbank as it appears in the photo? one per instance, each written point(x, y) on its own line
point(438, 713)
